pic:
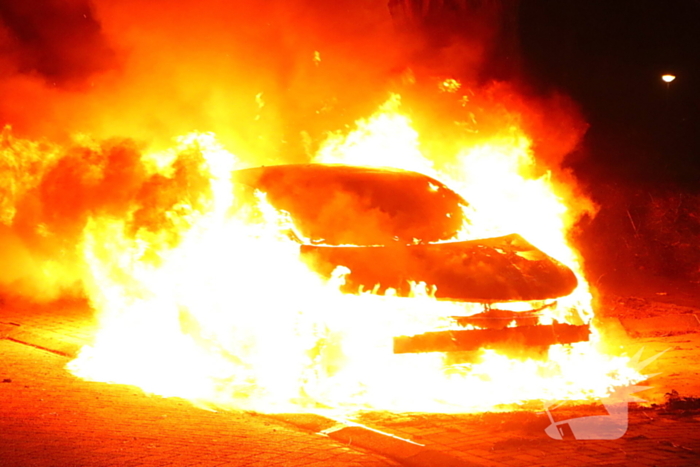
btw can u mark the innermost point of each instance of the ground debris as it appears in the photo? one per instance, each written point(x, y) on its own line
point(678, 404)
point(675, 446)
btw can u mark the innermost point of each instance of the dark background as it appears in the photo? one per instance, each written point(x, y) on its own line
point(640, 159)
point(609, 56)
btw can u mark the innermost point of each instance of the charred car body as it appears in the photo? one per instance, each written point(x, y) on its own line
point(393, 227)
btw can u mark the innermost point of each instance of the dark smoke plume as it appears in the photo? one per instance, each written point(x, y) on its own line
point(59, 40)
point(266, 76)
point(467, 38)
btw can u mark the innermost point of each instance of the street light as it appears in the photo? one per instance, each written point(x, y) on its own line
point(668, 78)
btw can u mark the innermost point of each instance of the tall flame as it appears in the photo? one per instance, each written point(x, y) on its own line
point(214, 305)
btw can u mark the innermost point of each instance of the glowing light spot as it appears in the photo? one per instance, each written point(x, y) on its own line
point(450, 85)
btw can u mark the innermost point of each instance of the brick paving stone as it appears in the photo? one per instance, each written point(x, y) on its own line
point(483, 453)
point(48, 418)
point(468, 456)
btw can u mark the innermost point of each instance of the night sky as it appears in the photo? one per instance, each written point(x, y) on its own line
point(609, 56)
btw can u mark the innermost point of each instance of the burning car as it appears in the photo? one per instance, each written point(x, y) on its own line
point(395, 228)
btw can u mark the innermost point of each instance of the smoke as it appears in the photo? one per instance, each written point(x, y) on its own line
point(51, 195)
point(250, 71)
point(264, 75)
point(270, 78)
point(60, 41)
point(50, 51)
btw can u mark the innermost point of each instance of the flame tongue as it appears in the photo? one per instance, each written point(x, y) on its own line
point(491, 270)
point(204, 297)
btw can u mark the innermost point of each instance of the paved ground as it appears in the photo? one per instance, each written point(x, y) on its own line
point(50, 418)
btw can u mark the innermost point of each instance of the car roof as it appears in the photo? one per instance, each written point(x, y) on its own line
point(342, 204)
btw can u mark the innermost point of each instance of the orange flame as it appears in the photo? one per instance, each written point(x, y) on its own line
point(202, 296)
point(226, 314)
